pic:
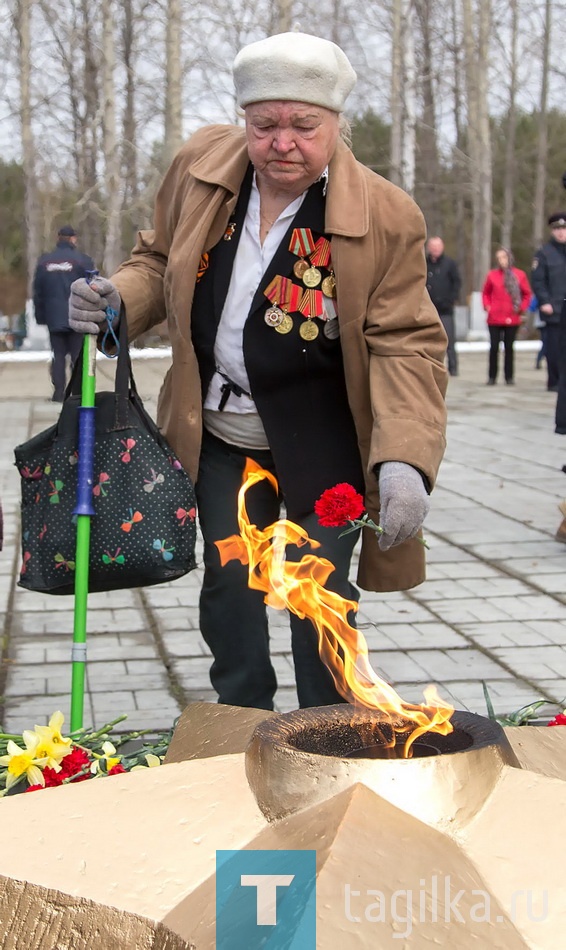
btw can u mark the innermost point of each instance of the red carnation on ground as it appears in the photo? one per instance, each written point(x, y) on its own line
point(339, 505)
point(71, 764)
point(559, 720)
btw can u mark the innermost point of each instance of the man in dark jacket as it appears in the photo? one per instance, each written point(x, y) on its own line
point(54, 274)
point(443, 284)
point(548, 281)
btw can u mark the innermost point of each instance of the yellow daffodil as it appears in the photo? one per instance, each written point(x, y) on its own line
point(51, 744)
point(152, 762)
point(23, 761)
point(108, 756)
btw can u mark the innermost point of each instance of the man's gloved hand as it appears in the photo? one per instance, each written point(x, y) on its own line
point(404, 503)
point(88, 303)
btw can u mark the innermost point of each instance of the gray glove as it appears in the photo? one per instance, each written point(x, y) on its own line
point(404, 503)
point(88, 303)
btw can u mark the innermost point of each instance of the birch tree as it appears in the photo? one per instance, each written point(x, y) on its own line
point(542, 137)
point(173, 81)
point(22, 22)
point(476, 26)
point(403, 97)
point(510, 161)
point(112, 196)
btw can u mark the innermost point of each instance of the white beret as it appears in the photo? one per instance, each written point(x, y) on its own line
point(294, 67)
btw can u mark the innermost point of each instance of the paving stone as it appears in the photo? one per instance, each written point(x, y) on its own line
point(496, 586)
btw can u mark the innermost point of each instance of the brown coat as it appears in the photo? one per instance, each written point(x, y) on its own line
point(392, 340)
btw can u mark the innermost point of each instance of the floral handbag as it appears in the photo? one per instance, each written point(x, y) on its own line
point(143, 531)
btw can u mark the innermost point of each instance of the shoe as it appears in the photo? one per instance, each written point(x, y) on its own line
point(490, 382)
point(56, 398)
point(453, 372)
point(552, 389)
point(509, 382)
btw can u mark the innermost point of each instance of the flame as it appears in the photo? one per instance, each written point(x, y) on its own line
point(300, 588)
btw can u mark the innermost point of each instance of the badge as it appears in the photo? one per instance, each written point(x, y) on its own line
point(299, 268)
point(308, 330)
point(229, 230)
point(329, 286)
point(535, 263)
point(331, 329)
point(273, 316)
point(312, 277)
point(286, 324)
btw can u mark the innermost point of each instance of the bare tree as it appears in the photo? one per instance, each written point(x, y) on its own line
point(173, 81)
point(22, 22)
point(542, 138)
point(428, 142)
point(113, 243)
point(510, 163)
point(476, 25)
point(403, 98)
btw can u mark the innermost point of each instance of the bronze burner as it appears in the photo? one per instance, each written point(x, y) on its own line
point(300, 758)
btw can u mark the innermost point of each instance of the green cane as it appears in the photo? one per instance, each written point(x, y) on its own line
point(84, 510)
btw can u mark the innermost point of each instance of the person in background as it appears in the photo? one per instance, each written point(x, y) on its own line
point(443, 284)
point(548, 280)
point(54, 273)
point(293, 280)
point(506, 295)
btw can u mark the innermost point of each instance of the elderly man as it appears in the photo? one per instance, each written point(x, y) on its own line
point(293, 280)
point(443, 284)
point(548, 280)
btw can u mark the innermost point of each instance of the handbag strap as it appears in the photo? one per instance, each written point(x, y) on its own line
point(124, 378)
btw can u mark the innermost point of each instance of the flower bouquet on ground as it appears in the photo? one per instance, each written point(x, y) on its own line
point(343, 505)
point(43, 757)
point(526, 715)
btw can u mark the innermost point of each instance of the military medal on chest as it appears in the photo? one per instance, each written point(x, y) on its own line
point(284, 296)
point(311, 306)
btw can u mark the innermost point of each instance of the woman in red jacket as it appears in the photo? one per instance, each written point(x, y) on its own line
point(506, 295)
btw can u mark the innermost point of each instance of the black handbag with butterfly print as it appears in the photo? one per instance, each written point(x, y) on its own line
point(143, 531)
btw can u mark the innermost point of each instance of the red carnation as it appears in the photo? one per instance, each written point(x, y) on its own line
point(339, 505)
point(559, 720)
point(117, 769)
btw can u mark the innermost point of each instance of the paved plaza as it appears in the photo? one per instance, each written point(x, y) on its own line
point(493, 607)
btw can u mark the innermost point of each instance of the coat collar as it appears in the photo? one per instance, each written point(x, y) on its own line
point(347, 199)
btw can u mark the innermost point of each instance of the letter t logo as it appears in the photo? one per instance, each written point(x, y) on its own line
point(267, 885)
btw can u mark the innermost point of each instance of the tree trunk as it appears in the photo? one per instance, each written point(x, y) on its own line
point(283, 14)
point(129, 138)
point(113, 244)
point(428, 144)
point(476, 38)
point(31, 198)
point(173, 81)
point(509, 172)
point(542, 140)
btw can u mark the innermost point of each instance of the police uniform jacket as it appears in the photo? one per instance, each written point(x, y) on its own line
point(54, 273)
point(548, 279)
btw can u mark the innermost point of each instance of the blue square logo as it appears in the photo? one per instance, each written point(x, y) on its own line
point(266, 900)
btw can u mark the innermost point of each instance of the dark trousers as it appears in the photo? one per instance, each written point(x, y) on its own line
point(63, 343)
point(233, 618)
point(507, 334)
point(449, 325)
point(552, 353)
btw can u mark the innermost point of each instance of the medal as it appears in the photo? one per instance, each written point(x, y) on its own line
point(308, 330)
point(331, 329)
point(321, 254)
point(329, 286)
point(299, 268)
point(312, 277)
point(286, 324)
point(274, 316)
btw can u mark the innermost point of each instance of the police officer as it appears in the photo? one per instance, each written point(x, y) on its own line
point(548, 281)
point(54, 273)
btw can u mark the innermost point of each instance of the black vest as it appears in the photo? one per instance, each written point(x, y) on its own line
point(298, 385)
